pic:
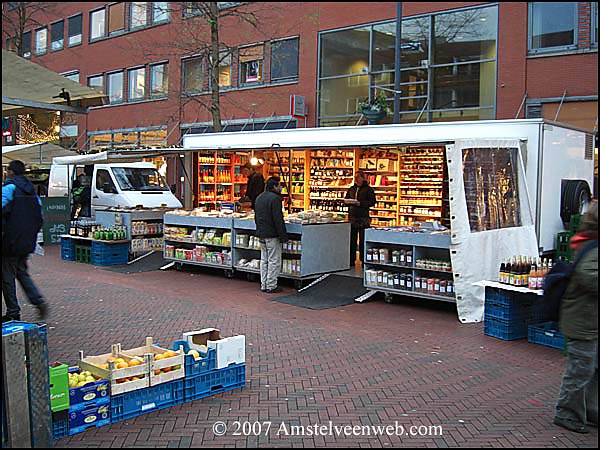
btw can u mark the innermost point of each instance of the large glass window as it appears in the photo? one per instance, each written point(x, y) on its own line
point(345, 52)
point(251, 64)
point(116, 18)
point(552, 26)
point(96, 82)
point(97, 24)
point(159, 80)
point(595, 23)
point(193, 75)
point(284, 59)
point(136, 82)
point(137, 179)
point(26, 45)
point(139, 14)
point(115, 87)
point(491, 188)
point(74, 32)
point(57, 35)
point(160, 12)
point(41, 41)
point(225, 69)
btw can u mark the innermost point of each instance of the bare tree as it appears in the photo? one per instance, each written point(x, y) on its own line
point(20, 16)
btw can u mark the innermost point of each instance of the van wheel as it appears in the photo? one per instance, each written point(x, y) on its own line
point(575, 196)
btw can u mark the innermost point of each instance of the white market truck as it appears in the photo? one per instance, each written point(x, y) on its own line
point(509, 185)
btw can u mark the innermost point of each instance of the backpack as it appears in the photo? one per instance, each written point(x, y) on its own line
point(556, 282)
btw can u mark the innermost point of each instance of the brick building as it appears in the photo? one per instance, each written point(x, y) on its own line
point(458, 61)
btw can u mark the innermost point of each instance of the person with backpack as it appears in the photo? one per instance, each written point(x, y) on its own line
point(21, 222)
point(577, 404)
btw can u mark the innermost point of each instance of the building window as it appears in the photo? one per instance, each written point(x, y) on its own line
point(552, 26)
point(26, 45)
point(116, 18)
point(97, 24)
point(159, 80)
point(192, 9)
point(251, 64)
point(96, 82)
point(136, 82)
point(114, 87)
point(193, 75)
point(74, 32)
point(225, 69)
point(139, 15)
point(595, 23)
point(284, 60)
point(160, 12)
point(73, 76)
point(41, 41)
point(57, 35)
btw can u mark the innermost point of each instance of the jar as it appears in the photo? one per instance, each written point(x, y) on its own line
point(380, 277)
point(409, 257)
point(450, 288)
point(417, 284)
point(402, 257)
point(397, 281)
point(409, 282)
point(430, 283)
point(395, 257)
point(403, 281)
point(443, 287)
point(436, 286)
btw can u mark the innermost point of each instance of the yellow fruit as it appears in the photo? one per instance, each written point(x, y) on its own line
point(122, 365)
point(135, 378)
point(166, 369)
point(158, 357)
point(157, 372)
point(134, 362)
point(194, 353)
point(176, 367)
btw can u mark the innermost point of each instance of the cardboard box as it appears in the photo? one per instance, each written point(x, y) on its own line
point(230, 350)
point(81, 397)
point(59, 387)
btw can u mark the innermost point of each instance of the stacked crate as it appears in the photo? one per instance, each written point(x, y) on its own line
point(508, 314)
point(104, 254)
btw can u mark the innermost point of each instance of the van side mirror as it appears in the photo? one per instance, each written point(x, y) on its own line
point(174, 188)
point(108, 189)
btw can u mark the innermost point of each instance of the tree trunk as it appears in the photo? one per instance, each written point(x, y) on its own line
point(215, 107)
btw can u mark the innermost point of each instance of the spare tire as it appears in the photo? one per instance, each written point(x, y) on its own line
point(576, 194)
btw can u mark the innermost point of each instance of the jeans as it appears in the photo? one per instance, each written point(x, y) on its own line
point(354, 234)
point(270, 263)
point(15, 267)
point(578, 398)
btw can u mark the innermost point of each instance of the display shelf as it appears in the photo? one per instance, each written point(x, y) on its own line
point(199, 263)
point(432, 248)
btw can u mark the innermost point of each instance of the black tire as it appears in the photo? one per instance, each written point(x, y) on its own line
point(575, 196)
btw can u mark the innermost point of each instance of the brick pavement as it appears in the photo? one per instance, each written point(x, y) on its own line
point(365, 364)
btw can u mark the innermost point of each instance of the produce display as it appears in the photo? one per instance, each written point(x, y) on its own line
point(81, 379)
point(312, 216)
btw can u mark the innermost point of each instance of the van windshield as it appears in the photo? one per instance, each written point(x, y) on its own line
point(139, 179)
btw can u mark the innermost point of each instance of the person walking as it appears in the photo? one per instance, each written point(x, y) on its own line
point(21, 222)
point(255, 185)
point(577, 404)
point(270, 229)
point(360, 197)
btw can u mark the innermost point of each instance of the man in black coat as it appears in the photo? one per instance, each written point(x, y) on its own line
point(255, 186)
point(270, 229)
point(360, 197)
point(21, 222)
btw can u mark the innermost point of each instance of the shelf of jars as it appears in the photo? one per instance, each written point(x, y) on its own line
point(218, 176)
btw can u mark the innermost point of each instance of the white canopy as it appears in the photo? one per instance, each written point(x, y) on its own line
point(41, 153)
point(93, 158)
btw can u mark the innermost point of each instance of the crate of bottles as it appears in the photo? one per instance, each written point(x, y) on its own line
point(104, 254)
point(563, 246)
point(574, 223)
point(546, 334)
point(83, 253)
point(67, 249)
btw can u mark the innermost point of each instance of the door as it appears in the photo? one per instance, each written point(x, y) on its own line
point(105, 193)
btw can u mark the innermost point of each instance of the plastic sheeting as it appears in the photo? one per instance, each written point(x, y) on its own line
point(476, 255)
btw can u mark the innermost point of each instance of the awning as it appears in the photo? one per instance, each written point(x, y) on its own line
point(28, 88)
point(41, 153)
point(112, 157)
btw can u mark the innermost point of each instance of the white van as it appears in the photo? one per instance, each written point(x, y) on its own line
point(116, 184)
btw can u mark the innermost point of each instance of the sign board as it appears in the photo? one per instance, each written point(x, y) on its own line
point(56, 214)
point(297, 106)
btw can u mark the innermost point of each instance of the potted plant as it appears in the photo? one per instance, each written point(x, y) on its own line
point(375, 109)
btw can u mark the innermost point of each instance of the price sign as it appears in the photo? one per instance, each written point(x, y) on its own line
point(56, 213)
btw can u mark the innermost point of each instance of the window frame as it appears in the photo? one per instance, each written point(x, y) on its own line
point(131, 17)
point(165, 65)
point(153, 10)
point(558, 48)
point(108, 86)
point(80, 34)
point(29, 41)
point(35, 50)
point(107, 27)
point(289, 78)
point(62, 40)
point(594, 25)
point(202, 62)
point(103, 36)
point(100, 76)
point(129, 84)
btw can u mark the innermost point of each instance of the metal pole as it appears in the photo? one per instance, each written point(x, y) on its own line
point(397, 62)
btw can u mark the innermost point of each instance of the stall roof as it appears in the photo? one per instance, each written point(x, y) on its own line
point(375, 135)
point(114, 157)
point(28, 88)
point(41, 153)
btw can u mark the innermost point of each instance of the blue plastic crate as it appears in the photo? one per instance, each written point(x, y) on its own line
point(546, 334)
point(498, 296)
point(113, 260)
point(214, 382)
point(507, 330)
point(67, 249)
point(194, 367)
point(60, 424)
point(197, 387)
point(507, 312)
point(102, 248)
point(142, 401)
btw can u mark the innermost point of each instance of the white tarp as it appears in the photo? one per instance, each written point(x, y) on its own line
point(477, 255)
point(94, 158)
point(40, 153)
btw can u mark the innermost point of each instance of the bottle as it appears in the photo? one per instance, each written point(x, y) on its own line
point(532, 281)
point(502, 272)
point(519, 273)
point(527, 269)
point(511, 274)
point(507, 272)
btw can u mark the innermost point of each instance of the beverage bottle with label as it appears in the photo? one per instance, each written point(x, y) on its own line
point(511, 273)
point(502, 272)
point(532, 282)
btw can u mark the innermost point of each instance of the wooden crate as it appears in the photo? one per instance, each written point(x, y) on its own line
point(150, 351)
point(93, 364)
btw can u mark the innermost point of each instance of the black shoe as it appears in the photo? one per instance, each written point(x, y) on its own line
point(263, 290)
point(274, 290)
point(571, 425)
point(42, 310)
point(7, 318)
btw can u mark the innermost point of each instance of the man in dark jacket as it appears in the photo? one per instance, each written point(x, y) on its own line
point(270, 229)
point(360, 197)
point(577, 404)
point(255, 186)
point(21, 220)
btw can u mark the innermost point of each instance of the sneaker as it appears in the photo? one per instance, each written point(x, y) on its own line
point(42, 310)
point(571, 425)
point(7, 318)
point(274, 290)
